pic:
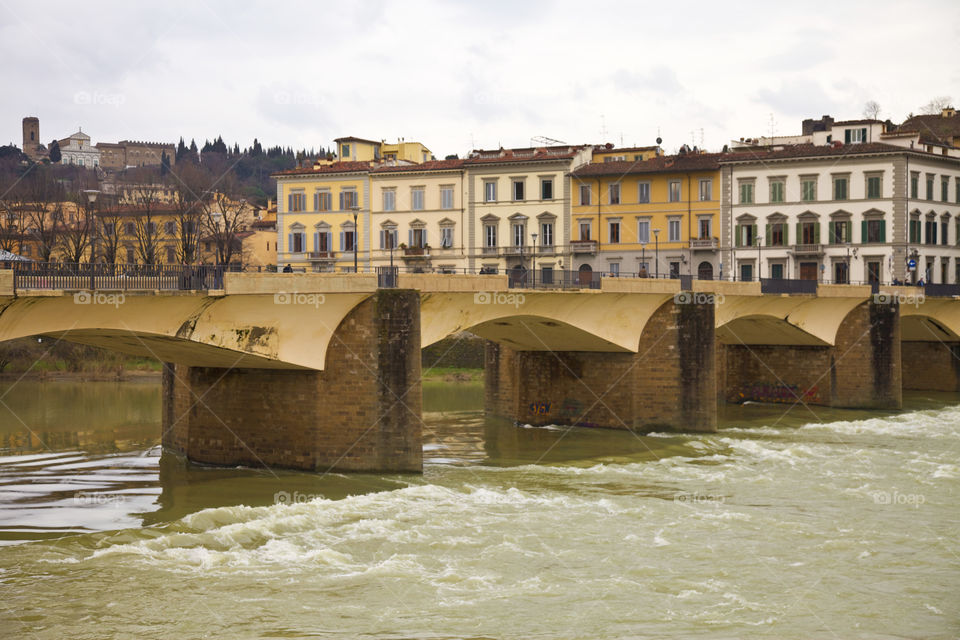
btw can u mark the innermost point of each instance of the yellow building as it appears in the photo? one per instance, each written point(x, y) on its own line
point(417, 218)
point(651, 217)
point(316, 210)
point(609, 153)
point(351, 149)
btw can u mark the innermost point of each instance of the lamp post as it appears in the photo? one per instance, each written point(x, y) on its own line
point(356, 210)
point(643, 260)
point(656, 242)
point(91, 195)
point(534, 259)
point(390, 233)
point(759, 248)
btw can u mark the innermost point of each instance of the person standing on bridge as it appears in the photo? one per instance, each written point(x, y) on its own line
point(288, 268)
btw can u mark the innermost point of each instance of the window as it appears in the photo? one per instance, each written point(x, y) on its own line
point(746, 272)
point(944, 188)
point(519, 234)
point(944, 231)
point(546, 234)
point(876, 231)
point(809, 233)
point(615, 193)
point(131, 257)
point(345, 151)
point(490, 191)
point(929, 186)
point(746, 193)
point(518, 190)
point(388, 238)
point(643, 231)
point(171, 255)
point(584, 230)
point(915, 230)
point(348, 199)
point(546, 188)
point(446, 197)
point(297, 242)
point(674, 187)
point(930, 232)
point(584, 194)
point(417, 238)
point(808, 189)
point(490, 235)
point(874, 187)
point(673, 230)
point(389, 200)
point(956, 191)
point(839, 188)
point(776, 234)
point(855, 136)
point(151, 228)
point(614, 268)
point(446, 237)
point(346, 241)
point(323, 241)
point(840, 231)
point(776, 191)
point(643, 192)
point(296, 202)
point(776, 271)
point(705, 228)
point(746, 235)
point(706, 190)
point(614, 232)
point(169, 228)
point(416, 198)
point(322, 201)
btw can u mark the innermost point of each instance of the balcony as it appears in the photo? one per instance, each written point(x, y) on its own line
point(490, 251)
point(515, 251)
point(321, 256)
point(709, 244)
point(808, 249)
point(546, 250)
point(584, 247)
point(416, 253)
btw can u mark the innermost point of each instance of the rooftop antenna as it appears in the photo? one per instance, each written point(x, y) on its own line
point(701, 138)
point(545, 141)
point(773, 125)
point(603, 127)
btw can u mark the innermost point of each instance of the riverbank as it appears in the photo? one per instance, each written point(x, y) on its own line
point(454, 375)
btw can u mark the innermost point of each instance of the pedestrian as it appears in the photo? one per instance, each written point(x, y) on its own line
point(288, 268)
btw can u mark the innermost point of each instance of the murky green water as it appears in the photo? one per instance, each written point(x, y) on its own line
point(805, 524)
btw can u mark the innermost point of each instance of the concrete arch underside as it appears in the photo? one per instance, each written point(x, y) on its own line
point(549, 321)
point(241, 331)
point(782, 320)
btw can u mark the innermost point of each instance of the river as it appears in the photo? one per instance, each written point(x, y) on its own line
point(799, 523)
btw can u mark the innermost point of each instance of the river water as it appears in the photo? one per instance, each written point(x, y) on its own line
point(786, 524)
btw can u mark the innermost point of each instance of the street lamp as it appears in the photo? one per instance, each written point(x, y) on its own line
point(656, 241)
point(91, 195)
point(534, 258)
point(643, 260)
point(759, 248)
point(356, 210)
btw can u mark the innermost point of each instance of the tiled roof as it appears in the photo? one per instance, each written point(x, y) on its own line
point(336, 167)
point(353, 139)
point(933, 127)
point(528, 154)
point(432, 165)
point(864, 121)
point(604, 149)
point(815, 151)
point(660, 164)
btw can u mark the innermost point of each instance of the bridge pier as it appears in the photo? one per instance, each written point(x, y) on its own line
point(861, 370)
point(669, 383)
point(361, 413)
point(931, 366)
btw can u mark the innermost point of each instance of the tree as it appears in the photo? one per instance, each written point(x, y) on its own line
point(146, 214)
point(225, 218)
point(75, 237)
point(191, 192)
point(164, 163)
point(55, 155)
point(181, 150)
point(935, 106)
point(44, 210)
point(108, 228)
point(871, 110)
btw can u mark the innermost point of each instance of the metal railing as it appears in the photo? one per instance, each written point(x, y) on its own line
point(554, 279)
point(783, 285)
point(941, 290)
point(118, 277)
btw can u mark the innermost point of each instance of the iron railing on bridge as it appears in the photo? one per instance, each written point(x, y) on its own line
point(118, 277)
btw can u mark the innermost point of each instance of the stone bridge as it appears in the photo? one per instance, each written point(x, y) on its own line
point(322, 371)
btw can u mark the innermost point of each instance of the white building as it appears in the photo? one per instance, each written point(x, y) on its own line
point(76, 149)
point(844, 208)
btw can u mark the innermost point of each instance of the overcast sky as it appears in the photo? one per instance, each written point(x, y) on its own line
point(459, 74)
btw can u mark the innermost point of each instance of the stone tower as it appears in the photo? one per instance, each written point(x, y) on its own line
point(31, 137)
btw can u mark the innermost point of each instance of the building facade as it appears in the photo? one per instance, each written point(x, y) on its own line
point(76, 149)
point(652, 218)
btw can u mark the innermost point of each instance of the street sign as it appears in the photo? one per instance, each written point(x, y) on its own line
point(912, 264)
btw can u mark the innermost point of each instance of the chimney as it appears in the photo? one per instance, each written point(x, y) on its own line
point(948, 112)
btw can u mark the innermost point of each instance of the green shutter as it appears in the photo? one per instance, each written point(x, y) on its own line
point(848, 228)
point(883, 231)
point(863, 232)
point(799, 233)
point(768, 236)
point(816, 233)
point(786, 233)
point(846, 136)
point(755, 243)
point(737, 235)
point(863, 134)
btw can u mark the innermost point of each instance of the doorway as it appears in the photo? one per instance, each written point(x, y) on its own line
point(705, 271)
point(808, 270)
